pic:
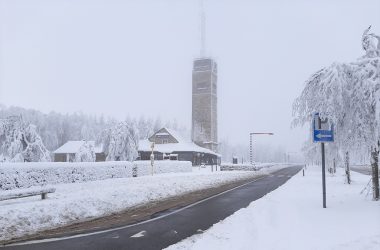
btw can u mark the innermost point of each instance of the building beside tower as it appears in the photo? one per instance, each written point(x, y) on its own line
point(203, 147)
point(170, 145)
point(166, 144)
point(204, 127)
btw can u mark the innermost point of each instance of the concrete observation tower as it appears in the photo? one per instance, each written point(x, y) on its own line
point(204, 129)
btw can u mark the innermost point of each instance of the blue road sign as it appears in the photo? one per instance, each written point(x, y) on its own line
point(325, 134)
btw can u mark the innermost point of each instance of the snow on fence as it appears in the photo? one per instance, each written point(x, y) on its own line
point(24, 175)
point(20, 193)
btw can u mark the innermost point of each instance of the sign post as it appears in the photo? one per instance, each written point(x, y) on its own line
point(323, 173)
point(152, 157)
point(322, 132)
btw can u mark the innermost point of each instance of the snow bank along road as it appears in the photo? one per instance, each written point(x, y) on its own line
point(292, 218)
point(171, 227)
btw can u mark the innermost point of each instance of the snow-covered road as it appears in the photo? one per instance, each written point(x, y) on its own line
point(292, 217)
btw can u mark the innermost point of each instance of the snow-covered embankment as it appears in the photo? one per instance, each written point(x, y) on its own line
point(292, 217)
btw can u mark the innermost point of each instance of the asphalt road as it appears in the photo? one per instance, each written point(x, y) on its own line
point(362, 169)
point(170, 226)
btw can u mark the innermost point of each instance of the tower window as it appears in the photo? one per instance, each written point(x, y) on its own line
point(202, 85)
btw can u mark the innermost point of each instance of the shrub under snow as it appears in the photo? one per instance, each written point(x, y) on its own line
point(24, 175)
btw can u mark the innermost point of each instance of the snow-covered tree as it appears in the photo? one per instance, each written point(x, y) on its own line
point(56, 129)
point(121, 142)
point(19, 142)
point(86, 153)
point(35, 150)
point(145, 127)
point(348, 94)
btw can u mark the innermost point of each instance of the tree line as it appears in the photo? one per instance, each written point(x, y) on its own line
point(30, 135)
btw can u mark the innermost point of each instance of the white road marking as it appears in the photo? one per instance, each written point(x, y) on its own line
point(138, 235)
point(116, 237)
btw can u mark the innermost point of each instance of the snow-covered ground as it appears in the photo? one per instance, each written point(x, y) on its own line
point(292, 217)
point(82, 201)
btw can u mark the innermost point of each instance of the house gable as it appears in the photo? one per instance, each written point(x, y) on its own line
point(163, 136)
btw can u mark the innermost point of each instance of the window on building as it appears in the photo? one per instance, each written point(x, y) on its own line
point(202, 85)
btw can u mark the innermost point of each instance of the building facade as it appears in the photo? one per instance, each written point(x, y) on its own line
point(169, 145)
point(68, 151)
point(204, 128)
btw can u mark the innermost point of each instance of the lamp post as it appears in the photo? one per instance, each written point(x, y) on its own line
point(251, 144)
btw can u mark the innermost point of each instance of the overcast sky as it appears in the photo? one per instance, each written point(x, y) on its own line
point(124, 58)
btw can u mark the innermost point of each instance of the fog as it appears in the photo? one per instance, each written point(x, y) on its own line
point(122, 58)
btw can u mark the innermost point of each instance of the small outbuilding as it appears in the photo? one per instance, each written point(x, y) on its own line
point(169, 145)
point(67, 152)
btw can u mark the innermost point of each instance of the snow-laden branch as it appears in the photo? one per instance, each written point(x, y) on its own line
point(348, 95)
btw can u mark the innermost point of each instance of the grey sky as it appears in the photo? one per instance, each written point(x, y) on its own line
point(135, 57)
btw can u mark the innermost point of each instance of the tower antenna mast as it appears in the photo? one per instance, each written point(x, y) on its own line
point(203, 29)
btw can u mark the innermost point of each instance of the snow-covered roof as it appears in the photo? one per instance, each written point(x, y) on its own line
point(162, 133)
point(177, 135)
point(183, 145)
point(72, 147)
point(144, 145)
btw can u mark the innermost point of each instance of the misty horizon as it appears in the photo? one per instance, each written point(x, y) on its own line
point(137, 59)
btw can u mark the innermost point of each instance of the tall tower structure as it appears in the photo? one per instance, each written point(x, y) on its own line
point(204, 129)
point(204, 104)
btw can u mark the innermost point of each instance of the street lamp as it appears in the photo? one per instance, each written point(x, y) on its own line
point(251, 144)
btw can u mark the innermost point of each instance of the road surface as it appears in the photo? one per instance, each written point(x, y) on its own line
point(362, 169)
point(169, 227)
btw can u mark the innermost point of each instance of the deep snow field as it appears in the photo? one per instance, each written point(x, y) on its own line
point(291, 217)
point(75, 202)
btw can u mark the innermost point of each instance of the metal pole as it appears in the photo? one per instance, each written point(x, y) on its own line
point(250, 149)
point(323, 167)
point(323, 175)
point(152, 157)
